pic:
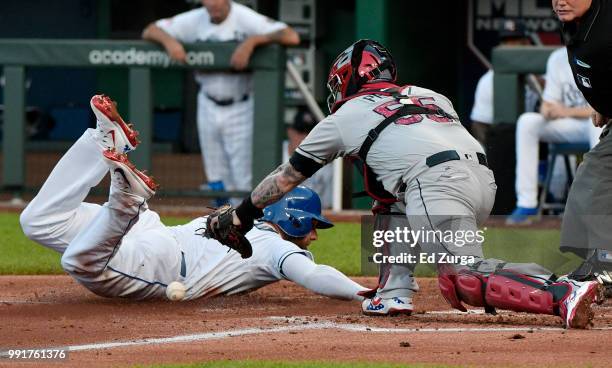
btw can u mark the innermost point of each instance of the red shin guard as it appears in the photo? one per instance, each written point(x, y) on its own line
point(503, 289)
point(518, 293)
point(447, 288)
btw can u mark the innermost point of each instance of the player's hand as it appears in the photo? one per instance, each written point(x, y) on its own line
point(599, 120)
point(242, 55)
point(176, 51)
point(221, 226)
point(553, 111)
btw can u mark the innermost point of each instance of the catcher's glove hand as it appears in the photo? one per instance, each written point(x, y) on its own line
point(220, 226)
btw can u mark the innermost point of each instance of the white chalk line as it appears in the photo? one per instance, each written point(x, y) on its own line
point(9, 302)
point(301, 326)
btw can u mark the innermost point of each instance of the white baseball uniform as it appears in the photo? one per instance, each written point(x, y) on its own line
point(533, 127)
point(450, 195)
point(482, 110)
point(225, 104)
point(122, 249)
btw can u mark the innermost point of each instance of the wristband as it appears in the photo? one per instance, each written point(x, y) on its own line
point(247, 212)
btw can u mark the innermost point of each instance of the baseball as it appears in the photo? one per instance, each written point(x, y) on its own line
point(175, 291)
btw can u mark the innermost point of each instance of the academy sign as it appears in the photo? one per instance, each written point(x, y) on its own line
point(157, 58)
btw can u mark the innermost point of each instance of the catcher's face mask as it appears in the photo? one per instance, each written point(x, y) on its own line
point(362, 62)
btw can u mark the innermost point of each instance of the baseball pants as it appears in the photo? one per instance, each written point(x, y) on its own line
point(226, 141)
point(588, 212)
point(119, 249)
point(456, 196)
point(532, 128)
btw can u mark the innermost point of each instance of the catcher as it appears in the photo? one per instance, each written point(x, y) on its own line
point(417, 153)
point(122, 249)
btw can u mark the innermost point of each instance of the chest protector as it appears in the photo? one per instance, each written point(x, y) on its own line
point(374, 187)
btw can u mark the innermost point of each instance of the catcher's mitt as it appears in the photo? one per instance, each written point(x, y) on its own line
point(220, 226)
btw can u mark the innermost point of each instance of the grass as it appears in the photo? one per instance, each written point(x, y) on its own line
point(280, 364)
point(21, 256)
point(338, 247)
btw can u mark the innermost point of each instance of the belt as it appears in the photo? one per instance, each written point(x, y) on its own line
point(227, 101)
point(451, 155)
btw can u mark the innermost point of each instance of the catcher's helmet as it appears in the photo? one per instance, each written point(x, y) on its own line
point(297, 213)
point(362, 62)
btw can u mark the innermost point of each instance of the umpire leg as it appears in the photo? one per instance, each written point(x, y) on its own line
point(588, 213)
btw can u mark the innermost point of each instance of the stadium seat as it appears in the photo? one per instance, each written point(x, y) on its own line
point(565, 150)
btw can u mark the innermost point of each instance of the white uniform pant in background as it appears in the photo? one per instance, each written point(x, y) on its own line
point(226, 141)
point(532, 128)
point(98, 251)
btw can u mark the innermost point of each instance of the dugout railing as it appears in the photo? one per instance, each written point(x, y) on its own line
point(139, 57)
point(510, 65)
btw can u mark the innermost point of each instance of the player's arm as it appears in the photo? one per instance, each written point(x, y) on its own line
point(322, 279)
point(322, 145)
point(555, 110)
point(173, 47)
point(271, 189)
point(241, 56)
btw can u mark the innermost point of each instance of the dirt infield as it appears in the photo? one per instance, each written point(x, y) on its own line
point(281, 322)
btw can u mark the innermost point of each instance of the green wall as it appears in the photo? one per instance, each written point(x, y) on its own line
point(167, 84)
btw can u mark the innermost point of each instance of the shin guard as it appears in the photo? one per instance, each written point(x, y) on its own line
point(501, 289)
point(448, 290)
point(520, 293)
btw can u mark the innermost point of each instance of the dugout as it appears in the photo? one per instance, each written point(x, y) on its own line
point(426, 38)
point(510, 64)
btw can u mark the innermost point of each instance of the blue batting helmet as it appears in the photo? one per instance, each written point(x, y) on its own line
point(295, 212)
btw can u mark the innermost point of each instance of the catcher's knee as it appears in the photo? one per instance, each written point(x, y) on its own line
point(462, 286)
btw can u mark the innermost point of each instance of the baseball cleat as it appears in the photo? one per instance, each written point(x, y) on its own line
point(522, 216)
point(593, 269)
point(114, 133)
point(127, 178)
point(378, 306)
point(575, 306)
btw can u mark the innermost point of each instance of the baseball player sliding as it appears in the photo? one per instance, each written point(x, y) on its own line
point(122, 249)
point(418, 154)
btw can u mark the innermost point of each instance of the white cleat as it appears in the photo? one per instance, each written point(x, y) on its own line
point(125, 176)
point(575, 307)
point(112, 131)
point(378, 306)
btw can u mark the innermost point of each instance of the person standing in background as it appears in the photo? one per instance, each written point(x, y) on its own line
point(225, 103)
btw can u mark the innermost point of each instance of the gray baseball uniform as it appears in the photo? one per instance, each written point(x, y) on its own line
point(449, 195)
